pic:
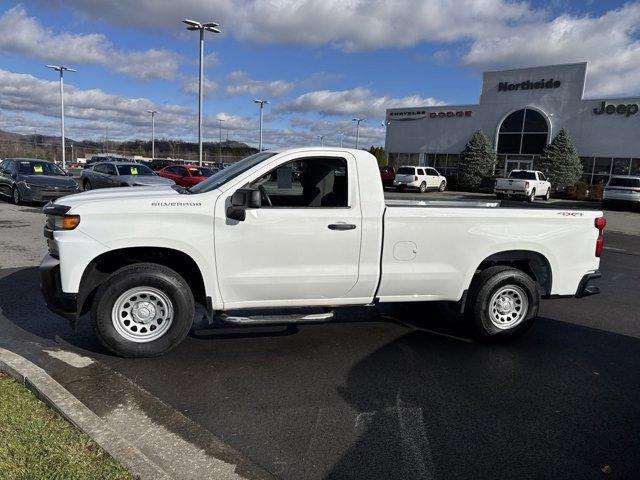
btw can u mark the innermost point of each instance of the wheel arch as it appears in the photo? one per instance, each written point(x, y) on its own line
point(104, 265)
point(535, 264)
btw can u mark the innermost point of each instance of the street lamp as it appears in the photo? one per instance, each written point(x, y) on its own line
point(358, 120)
point(341, 135)
point(201, 27)
point(153, 132)
point(321, 137)
point(220, 141)
point(261, 102)
point(61, 69)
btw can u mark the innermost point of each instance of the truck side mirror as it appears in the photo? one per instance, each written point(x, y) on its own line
point(242, 199)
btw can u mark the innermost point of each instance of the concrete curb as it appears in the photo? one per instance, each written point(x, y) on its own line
point(58, 398)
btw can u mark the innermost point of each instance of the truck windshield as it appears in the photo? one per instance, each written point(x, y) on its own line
point(522, 175)
point(223, 176)
point(624, 182)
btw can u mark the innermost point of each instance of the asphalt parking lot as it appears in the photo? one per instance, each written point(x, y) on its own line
point(395, 392)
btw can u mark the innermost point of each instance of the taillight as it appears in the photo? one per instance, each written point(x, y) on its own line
point(416, 178)
point(600, 223)
point(526, 184)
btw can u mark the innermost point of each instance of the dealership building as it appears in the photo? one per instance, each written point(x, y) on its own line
point(520, 111)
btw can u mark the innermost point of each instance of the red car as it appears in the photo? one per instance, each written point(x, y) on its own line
point(186, 175)
point(387, 175)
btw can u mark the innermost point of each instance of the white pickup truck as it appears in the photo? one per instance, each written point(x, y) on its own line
point(301, 228)
point(527, 184)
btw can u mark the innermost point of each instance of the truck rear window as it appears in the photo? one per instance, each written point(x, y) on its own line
point(522, 175)
point(624, 182)
point(406, 171)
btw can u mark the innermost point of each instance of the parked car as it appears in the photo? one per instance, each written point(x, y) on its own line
point(421, 178)
point(120, 174)
point(387, 175)
point(254, 237)
point(33, 180)
point(622, 190)
point(186, 175)
point(527, 184)
point(160, 163)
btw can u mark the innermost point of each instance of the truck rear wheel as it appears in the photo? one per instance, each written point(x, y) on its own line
point(502, 303)
point(532, 197)
point(142, 310)
point(423, 187)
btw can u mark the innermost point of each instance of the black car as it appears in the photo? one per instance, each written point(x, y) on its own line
point(33, 180)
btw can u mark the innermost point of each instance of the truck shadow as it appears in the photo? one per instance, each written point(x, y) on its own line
point(560, 402)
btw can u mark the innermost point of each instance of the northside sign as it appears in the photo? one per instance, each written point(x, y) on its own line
point(529, 85)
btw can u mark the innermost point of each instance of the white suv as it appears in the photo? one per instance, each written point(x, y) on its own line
point(622, 189)
point(421, 178)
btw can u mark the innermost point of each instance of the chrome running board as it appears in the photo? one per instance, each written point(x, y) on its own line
point(276, 319)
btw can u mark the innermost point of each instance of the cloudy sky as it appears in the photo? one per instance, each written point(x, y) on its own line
point(319, 62)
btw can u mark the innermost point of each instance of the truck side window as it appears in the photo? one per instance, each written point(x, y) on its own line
point(307, 183)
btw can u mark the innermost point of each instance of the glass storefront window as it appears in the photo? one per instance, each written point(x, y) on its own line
point(453, 160)
point(600, 179)
point(602, 166)
point(587, 165)
point(635, 166)
point(533, 142)
point(621, 166)
point(586, 178)
point(441, 160)
point(431, 160)
point(509, 143)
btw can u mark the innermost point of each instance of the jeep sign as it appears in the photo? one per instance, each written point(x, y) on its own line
point(621, 109)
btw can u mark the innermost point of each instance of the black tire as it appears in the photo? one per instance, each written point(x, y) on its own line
point(16, 198)
point(484, 286)
point(400, 188)
point(423, 187)
point(547, 195)
point(443, 186)
point(532, 197)
point(86, 185)
point(159, 277)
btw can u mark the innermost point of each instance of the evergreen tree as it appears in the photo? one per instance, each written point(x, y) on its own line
point(477, 161)
point(560, 162)
point(378, 152)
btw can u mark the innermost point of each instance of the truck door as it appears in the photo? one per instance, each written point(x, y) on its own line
point(302, 244)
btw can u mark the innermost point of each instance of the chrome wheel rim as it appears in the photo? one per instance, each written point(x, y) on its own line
point(142, 314)
point(16, 196)
point(508, 307)
point(442, 187)
point(423, 187)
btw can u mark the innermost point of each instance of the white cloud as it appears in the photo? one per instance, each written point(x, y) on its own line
point(609, 43)
point(239, 83)
point(190, 86)
point(24, 35)
point(357, 101)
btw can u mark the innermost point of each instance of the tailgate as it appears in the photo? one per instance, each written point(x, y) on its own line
point(510, 184)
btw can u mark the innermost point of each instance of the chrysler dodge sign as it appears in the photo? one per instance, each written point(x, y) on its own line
point(415, 115)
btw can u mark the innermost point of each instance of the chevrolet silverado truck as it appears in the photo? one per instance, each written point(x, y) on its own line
point(301, 228)
point(527, 184)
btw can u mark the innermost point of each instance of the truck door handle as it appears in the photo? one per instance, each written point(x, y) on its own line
point(341, 226)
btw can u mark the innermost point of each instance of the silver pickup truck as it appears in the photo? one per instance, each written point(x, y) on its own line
point(120, 174)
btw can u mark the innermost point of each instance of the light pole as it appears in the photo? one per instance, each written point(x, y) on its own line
point(201, 27)
point(341, 135)
point(153, 132)
point(220, 140)
point(62, 69)
point(261, 102)
point(321, 137)
point(358, 120)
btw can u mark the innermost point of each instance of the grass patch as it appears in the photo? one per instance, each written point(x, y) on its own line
point(37, 443)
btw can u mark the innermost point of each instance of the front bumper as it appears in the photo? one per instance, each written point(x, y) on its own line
point(63, 304)
point(585, 288)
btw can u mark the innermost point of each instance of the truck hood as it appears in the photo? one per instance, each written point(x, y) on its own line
point(119, 194)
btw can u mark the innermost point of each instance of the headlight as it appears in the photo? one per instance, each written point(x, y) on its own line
point(65, 222)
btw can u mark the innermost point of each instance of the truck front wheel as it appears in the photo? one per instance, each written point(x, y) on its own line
point(142, 310)
point(502, 303)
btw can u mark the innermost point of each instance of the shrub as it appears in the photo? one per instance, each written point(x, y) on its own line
point(477, 161)
point(560, 162)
